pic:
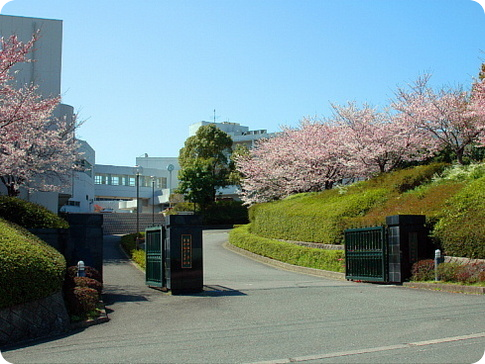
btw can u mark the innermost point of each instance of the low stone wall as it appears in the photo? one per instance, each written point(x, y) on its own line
point(33, 320)
point(463, 261)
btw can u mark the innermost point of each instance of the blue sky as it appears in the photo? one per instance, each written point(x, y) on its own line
point(140, 72)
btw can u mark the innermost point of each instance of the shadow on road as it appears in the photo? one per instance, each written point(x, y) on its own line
point(220, 291)
point(111, 298)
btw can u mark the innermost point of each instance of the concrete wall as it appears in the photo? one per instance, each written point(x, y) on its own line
point(46, 71)
point(33, 320)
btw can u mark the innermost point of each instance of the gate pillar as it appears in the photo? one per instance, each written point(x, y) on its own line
point(408, 242)
point(184, 254)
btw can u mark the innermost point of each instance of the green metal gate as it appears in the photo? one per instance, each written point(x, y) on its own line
point(366, 257)
point(155, 260)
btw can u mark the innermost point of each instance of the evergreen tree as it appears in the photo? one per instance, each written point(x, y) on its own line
point(205, 165)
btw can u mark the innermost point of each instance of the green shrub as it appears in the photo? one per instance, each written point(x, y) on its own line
point(460, 173)
point(447, 271)
point(468, 273)
point(88, 282)
point(29, 268)
point(461, 230)
point(423, 270)
point(139, 257)
point(226, 213)
point(128, 243)
point(82, 293)
point(29, 215)
point(332, 260)
point(82, 301)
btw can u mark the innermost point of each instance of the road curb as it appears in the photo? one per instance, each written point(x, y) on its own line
point(453, 288)
point(285, 266)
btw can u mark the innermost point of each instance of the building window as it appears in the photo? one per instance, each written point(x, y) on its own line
point(162, 182)
point(112, 199)
point(132, 181)
point(115, 180)
point(101, 179)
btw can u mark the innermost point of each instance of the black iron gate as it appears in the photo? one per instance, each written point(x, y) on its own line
point(387, 253)
point(155, 259)
point(366, 254)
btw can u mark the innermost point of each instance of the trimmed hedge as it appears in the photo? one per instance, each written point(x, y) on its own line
point(322, 217)
point(423, 270)
point(29, 215)
point(89, 283)
point(461, 230)
point(82, 293)
point(332, 260)
point(82, 301)
point(29, 268)
point(313, 217)
point(472, 273)
point(128, 243)
point(226, 213)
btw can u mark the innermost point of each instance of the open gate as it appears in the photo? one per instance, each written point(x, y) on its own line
point(155, 259)
point(387, 253)
point(366, 254)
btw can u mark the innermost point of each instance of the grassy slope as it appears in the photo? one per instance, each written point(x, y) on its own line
point(322, 217)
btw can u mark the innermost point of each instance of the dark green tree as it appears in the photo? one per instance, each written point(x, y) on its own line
point(205, 165)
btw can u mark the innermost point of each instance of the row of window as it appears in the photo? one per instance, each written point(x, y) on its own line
point(127, 180)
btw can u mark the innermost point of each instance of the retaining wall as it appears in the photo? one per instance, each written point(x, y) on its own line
point(33, 320)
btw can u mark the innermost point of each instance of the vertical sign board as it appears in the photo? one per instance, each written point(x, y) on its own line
point(186, 251)
point(184, 254)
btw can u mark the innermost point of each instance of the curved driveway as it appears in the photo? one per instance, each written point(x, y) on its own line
point(251, 312)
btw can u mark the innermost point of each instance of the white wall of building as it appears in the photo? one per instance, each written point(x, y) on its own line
point(46, 70)
point(116, 188)
point(82, 188)
point(163, 165)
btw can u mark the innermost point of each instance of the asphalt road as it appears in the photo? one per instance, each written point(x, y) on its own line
point(252, 313)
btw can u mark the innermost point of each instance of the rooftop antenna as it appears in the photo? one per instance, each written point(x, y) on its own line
point(215, 117)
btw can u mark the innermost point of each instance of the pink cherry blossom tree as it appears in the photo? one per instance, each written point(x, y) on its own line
point(35, 148)
point(379, 141)
point(453, 117)
point(304, 159)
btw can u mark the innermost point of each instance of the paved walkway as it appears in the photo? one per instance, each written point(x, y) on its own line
point(124, 282)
